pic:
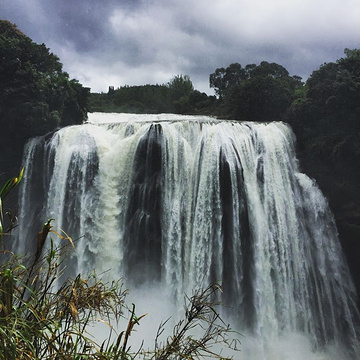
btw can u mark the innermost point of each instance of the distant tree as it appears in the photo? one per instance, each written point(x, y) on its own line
point(136, 99)
point(260, 93)
point(217, 81)
point(351, 61)
point(176, 96)
point(180, 85)
point(224, 79)
point(198, 102)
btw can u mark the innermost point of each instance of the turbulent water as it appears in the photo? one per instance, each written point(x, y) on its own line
point(186, 201)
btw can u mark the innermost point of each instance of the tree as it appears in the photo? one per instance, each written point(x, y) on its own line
point(335, 90)
point(268, 69)
point(333, 95)
point(180, 85)
point(260, 93)
point(36, 95)
point(326, 121)
point(34, 87)
point(259, 99)
point(217, 81)
point(224, 79)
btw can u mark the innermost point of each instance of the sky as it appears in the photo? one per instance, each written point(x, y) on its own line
point(106, 43)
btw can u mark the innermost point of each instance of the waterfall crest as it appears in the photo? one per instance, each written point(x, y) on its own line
point(184, 201)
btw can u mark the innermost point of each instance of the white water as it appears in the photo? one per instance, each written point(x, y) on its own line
point(179, 202)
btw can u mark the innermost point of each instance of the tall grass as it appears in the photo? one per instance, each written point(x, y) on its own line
point(42, 319)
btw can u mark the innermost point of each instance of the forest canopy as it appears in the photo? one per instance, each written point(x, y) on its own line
point(177, 96)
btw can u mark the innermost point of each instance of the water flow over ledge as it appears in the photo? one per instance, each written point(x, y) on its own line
point(184, 201)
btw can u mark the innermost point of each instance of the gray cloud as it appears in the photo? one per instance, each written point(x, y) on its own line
point(111, 42)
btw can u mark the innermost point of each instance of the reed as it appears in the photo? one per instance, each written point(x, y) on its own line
point(41, 319)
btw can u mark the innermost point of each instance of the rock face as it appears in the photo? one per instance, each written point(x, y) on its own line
point(341, 185)
point(349, 232)
point(347, 217)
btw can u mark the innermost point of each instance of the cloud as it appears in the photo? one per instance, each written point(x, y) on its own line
point(112, 42)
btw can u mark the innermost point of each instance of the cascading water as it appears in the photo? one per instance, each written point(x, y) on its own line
point(186, 201)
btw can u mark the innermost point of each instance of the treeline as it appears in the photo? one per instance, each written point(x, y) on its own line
point(257, 92)
point(324, 111)
point(177, 96)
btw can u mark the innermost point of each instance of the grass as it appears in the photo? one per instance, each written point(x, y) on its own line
point(42, 319)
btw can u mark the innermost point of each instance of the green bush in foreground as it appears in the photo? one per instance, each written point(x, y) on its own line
point(42, 319)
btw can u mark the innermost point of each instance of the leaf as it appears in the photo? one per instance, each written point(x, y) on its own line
point(11, 184)
point(73, 310)
point(64, 237)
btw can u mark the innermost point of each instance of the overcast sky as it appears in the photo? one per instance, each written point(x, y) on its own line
point(136, 42)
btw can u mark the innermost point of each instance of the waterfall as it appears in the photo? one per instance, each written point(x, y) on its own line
point(183, 201)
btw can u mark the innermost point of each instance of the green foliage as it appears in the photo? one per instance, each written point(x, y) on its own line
point(325, 117)
point(36, 95)
point(265, 69)
point(259, 93)
point(141, 99)
point(217, 81)
point(180, 85)
point(259, 99)
point(39, 322)
point(328, 118)
point(177, 96)
point(222, 80)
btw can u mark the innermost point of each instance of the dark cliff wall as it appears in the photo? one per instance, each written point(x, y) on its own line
point(340, 182)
